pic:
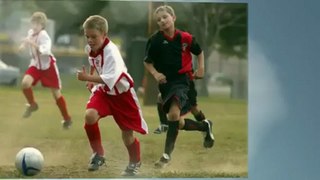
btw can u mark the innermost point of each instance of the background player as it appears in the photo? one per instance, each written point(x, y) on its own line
point(42, 68)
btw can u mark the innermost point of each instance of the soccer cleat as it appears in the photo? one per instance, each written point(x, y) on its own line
point(208, 136)
point(29, 110)
point(66, 124)
point(163, 161)
point(132, 169)
point(95, 162)
point(161, 129)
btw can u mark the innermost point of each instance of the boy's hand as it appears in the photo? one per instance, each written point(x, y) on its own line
point(199, 74)
point(28, 41)
point(21, 47)
point(82, 75)
point(160, 78)
point(89, 85)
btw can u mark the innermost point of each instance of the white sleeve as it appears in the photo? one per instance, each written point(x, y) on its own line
point(111, 68)
point(44, 43)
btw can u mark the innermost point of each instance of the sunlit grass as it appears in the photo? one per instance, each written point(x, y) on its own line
point(67, 152)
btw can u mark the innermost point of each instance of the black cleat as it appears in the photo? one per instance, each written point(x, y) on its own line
point(208, 136)
point(161, 129)
point(66, 124)
point(132, 169)
point(162, 162)
point(29, 110)
point(95, 162)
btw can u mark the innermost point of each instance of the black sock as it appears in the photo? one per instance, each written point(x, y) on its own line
point(191, 125)
point(200, 116)
point(172, 134)
point(162, 115)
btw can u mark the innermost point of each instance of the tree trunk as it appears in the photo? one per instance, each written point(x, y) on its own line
point(150, 84)
point(203, 89)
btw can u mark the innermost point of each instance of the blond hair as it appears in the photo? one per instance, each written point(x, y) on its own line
point(39, 18)
point(165, 8)
point(96, 22)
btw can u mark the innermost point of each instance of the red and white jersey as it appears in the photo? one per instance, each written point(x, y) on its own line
point(40, 58)
point(110, 66)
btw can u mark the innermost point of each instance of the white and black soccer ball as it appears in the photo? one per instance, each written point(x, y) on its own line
point(29, 161)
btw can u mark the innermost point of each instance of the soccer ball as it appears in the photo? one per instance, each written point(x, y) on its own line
point(29, 161)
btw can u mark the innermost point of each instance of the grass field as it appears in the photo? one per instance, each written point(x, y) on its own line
point(67, 153)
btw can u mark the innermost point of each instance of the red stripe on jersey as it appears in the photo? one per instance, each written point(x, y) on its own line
point(95, 54)
point(92, 59)
point(131, 83)
point(102, 58)
point(186, 57)
point(37, 55)
point(128, 79)
point(116, 90)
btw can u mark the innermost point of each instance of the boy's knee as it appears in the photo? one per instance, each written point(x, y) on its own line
point(91, 117)
point(25, 84)
point(56, 93)
point(27, 81)
point(173, 116)
point(127, 137)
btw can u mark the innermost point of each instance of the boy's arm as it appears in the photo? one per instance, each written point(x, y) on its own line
point(199, 73)
point(150, 68)
point(30, 42)
point(89, 84)
point(83, 76)
point(160, 78)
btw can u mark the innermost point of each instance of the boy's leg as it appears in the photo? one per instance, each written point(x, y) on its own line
point(192, 95)
point(133, 146)
point(197, 114)
point(204, 126)
point(163, 127)
point(62, 105)
point(172, 134)
point(28, 93)
point(93, 133)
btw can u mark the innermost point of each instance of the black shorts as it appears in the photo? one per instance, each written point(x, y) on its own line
point(192, 94)
point(176, 89)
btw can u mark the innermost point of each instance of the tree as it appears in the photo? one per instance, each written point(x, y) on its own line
point(151, 90)
point(217, 26)
point(71, 14)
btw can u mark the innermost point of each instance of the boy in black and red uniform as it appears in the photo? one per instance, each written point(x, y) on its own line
point(168, 58)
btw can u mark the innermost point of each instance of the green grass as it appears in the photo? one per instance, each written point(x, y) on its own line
point(67, 153)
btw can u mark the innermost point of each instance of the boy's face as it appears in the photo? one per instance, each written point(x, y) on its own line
point(36, 27)
point(165, 20)
point(95, 38)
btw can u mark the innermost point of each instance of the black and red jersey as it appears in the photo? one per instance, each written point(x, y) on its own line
point(172, 56)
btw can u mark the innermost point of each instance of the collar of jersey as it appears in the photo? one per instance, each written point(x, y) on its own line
point(36, 34)
point(106, 42)
point(176, 31)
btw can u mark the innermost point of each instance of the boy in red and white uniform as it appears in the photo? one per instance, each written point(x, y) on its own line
point(42, 68)
point(113, 95)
